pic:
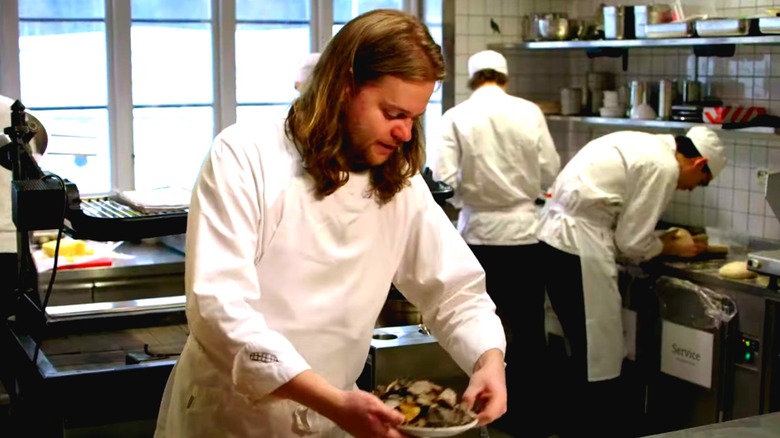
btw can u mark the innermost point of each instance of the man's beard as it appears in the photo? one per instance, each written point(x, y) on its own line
point(356, 157)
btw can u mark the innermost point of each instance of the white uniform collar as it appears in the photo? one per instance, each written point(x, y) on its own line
point(488, 90)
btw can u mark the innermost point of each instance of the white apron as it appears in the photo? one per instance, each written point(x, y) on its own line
point(587, 232)
point(312, 295)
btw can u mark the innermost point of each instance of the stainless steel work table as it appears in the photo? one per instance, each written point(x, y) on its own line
point(760, 426)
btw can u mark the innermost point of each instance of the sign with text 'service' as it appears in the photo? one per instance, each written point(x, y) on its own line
point(686, 353)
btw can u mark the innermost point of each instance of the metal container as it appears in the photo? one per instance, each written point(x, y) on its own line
point(637, 95)
point(525, 28)
point(571, 101)
point(650, 14)
point(769, 25)
point(691, 92)
point(614, 22)
point(398, 311)
point(723, 27)
point(665, 99)
point(553, 27)
point(679, 29)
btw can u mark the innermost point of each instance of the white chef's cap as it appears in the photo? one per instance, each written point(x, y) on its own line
point(710, 146)
point(487, 59)
point(306, 67)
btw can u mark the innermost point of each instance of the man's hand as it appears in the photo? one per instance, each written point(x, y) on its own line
point(363, 414)
point(680, 243)
point(360, 413)
point(486, 393)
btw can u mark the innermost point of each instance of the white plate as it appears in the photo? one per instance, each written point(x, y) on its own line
point(433, 432)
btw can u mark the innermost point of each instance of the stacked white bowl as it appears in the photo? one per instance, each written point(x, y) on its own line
point(612, 107)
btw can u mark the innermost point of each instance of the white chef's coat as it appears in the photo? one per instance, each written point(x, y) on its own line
point(497, 152)
point(605, 204)
point(629, 176)
point(279, 282)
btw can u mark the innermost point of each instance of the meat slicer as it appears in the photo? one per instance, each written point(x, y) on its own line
point(767, 262)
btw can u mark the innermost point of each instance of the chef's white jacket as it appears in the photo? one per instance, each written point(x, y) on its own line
point(605, 204)
point(279, 281)
point(630, 177)
point(497, 152)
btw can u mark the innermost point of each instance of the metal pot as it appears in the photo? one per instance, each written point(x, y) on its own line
point(553, 28)
point(397, 311)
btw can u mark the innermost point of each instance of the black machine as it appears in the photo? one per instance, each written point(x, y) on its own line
point(46, 396)
point(441, 192)
point(44, 201)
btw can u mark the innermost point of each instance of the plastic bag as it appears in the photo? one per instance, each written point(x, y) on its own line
point(685, 303)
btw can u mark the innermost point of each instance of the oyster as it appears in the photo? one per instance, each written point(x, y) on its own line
point(424, 403)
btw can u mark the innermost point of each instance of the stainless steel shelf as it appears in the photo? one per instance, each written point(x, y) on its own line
point(654, 124)
point(640, 43)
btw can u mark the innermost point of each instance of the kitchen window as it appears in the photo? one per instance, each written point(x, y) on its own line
point(132, 92)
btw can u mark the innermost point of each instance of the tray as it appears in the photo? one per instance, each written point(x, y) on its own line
point(769, 25)
point(107, 218)
point(724, 27)
point(678, 29)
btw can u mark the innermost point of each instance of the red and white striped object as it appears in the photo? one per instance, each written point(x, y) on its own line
point(732, 114)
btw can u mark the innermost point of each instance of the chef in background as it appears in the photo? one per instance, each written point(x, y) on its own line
point(296, 230)
point(605, 204)
point(497, 153)
point(305, 68)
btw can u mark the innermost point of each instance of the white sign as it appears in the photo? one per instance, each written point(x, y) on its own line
point(687, 353)
point(629, 333)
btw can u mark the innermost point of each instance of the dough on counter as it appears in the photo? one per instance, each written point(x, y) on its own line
point(736, 270)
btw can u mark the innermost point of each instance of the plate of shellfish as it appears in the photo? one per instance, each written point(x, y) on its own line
point(430, 410)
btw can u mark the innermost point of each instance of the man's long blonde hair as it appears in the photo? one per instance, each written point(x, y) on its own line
point(377, 43)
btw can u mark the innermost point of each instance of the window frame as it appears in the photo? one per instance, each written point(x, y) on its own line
point(118, 45)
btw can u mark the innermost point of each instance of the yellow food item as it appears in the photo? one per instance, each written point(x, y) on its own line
point(68, 248)
point(410, 411)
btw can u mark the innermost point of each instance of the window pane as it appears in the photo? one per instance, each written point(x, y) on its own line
point(170, 144)
point(78, 147)
point(345, 10)
point(173, 91)
point(63, 64)
point(58, 9)
point(172, 64)
point(288, 11)
point(436, 33)
point(63, 71)
point(250, 113)
point(433, 12)
point(267, 58)
point(171, 10)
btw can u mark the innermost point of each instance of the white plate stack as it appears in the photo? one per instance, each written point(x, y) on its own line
point(612, 107)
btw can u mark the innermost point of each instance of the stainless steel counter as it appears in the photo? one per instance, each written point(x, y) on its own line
point(150, 270)
point(760, 426)
point(705, 272)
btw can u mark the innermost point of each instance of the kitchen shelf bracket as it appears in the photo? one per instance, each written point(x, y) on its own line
point(609, 52)
point(716, 50)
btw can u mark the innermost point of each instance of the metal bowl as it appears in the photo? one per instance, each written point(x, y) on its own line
point(553, 29)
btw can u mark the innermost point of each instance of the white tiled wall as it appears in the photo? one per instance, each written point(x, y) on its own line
point(735, 200)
